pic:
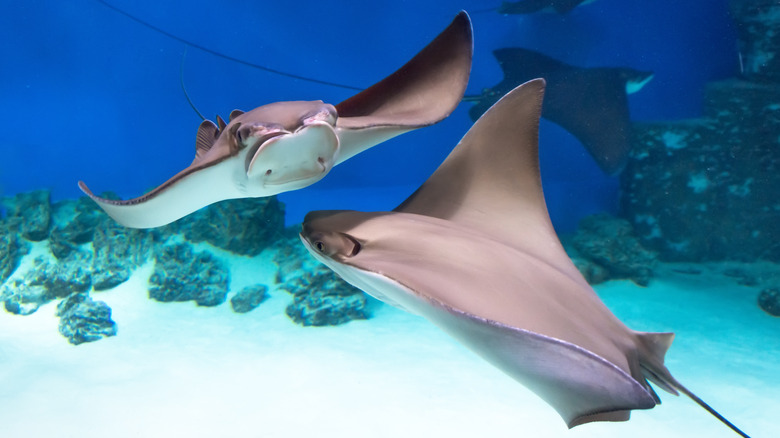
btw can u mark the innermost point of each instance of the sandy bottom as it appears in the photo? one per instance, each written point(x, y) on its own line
point(176, 370)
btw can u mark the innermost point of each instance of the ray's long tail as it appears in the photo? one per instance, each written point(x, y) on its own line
point(709, 409)
point(653, 349)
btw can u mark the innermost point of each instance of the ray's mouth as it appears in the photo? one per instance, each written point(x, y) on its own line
point(317, 171)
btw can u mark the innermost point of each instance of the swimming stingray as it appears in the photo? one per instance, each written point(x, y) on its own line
point(590, 103)
point(285, 146)
point(473, 250)
point(531, 6)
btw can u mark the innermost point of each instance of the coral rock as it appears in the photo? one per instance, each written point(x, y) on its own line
point(79, 230)
point(30, 212)
point(22, 298)
point(758, 27)
point(180, 274)
point(12, 249)
point(243, 226)
point(118, 251)
point(706, 189)
point(610, 243)
point(322, 298)
point(68, 276)
point(84, 320)
point(289, 256)
point(248, 298)
point(46, 281)
point(769, 301)
point(593, 272)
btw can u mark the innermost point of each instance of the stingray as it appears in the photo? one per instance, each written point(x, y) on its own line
point(531, 6)
point(473, 250)
point(286, 146)
point(590, 103)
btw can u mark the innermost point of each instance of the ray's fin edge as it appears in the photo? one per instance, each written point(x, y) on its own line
point(516, 364)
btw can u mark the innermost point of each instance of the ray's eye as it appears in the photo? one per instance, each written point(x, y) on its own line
point(320, 246)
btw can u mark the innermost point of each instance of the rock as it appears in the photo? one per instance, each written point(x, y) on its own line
point(706, 189)
point(83, 319)
point(70, 275)
point(12, 249)
point(758, 30)
point(610, 243)
point(24, 294)
point(30, 212)
point(180, 274)
point(321, 298)
point(118, 252)
point(769, 301)
point(742, 276)
point(59, 246)
point(593, 272)
point(22, 298)
point(248, 298)
point(243, 226)
point(80, 230)
point(46, 281)
point(290, 256)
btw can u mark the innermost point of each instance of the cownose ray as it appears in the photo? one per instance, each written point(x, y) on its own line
point(590, 103)
point(474, 251)
point(286, 146)
point(531, 6)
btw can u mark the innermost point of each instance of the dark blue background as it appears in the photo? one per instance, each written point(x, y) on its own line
point(89, 94)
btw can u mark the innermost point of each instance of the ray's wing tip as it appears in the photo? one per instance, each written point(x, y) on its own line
point(463, 21)
point(83, 187)
point(100, 201)
point(457, 41)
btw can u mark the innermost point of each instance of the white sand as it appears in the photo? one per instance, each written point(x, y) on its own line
point(182, 371)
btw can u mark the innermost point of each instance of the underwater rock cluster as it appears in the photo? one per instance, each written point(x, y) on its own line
point(706, 189)
point(611, 251)
point(46, 281)
point(89, 252)
point(75, 224)
point(12, 249)
point(118, 252)
point(248, 298)
point(29, 214)
point(242, 226)
point(180, 274)
point(769, 301)
point(757, 23)
point(320, 297)
point(83, 319)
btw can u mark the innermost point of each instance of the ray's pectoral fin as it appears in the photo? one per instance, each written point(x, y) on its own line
point(580, 385)
point(421, 93)
point(188, 191)
point(209, 178)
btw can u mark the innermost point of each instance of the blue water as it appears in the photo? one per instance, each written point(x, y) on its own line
point(89, 94)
